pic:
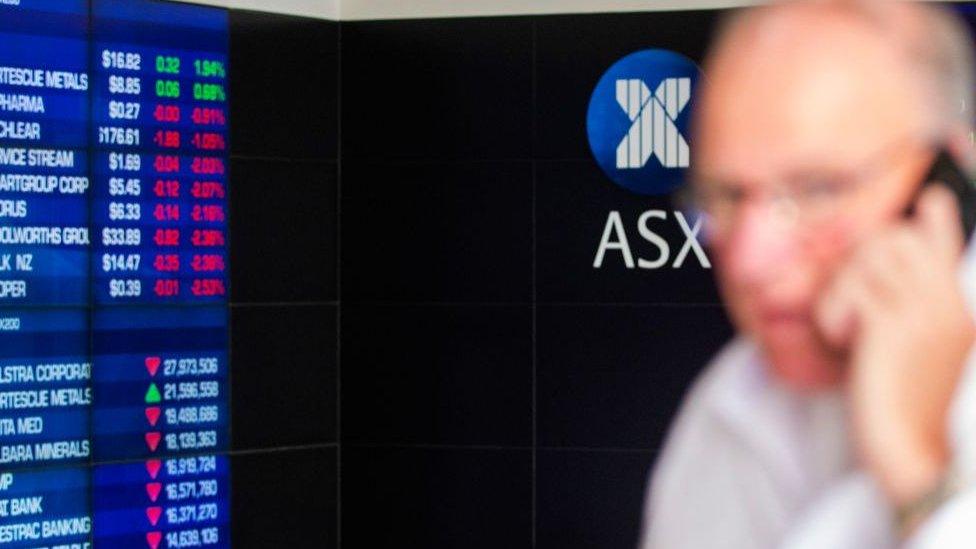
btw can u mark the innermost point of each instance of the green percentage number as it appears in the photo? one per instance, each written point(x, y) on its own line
point(209, 92)
point(209, 68)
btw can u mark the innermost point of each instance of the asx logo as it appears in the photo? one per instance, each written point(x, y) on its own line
point(615, 239)
point(627, 125)
point(638, 139)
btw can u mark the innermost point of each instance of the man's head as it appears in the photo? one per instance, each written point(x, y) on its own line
point(815, 125)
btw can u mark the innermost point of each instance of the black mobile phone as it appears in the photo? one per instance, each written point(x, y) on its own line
point(946, 171)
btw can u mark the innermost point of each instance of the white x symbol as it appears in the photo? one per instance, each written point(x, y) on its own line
point(653, 128)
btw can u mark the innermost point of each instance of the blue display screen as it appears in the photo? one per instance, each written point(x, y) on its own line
point(114, 418)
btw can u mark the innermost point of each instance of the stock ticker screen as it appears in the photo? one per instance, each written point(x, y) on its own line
point(113, 288)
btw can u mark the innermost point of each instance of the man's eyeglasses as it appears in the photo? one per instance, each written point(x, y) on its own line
point(805, 201)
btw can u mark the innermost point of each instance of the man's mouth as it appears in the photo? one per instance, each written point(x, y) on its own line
point(780, 320)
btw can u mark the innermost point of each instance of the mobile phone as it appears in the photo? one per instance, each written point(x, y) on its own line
point(945, 171)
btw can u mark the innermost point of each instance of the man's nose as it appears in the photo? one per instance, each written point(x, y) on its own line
point(762, 243)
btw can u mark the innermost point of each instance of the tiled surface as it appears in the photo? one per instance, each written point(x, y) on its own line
point(424, 347)
point(284, 219)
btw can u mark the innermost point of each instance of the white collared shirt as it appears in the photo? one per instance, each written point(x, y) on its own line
point(749, 464)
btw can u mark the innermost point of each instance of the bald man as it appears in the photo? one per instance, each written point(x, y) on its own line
point(844, 413)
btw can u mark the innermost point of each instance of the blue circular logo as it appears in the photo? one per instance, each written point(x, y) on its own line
point(638, 119)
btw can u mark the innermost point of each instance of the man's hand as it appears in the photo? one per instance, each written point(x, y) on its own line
point(897, 309)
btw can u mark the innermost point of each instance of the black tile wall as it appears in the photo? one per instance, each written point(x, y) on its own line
point(437, 232)
point(285, 499)
point(283, 231)
point(435, 497)
point(284, 80)
point(284, 280)
point(590, 499)
point(417, 319)
point(437, 89)
point(613, 376)
point(451, 374)
point(284, 374)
